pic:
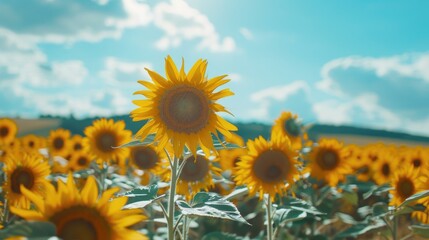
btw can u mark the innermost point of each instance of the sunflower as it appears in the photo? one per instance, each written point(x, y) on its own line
point(288, 125)
point(31, 143)
point(79, 160)
point(83, 214)
point(385, 167)
point(8, 129)
point(147, 158)
point(230, 157)
point(327, 161)
point(182, 108)
point(417, 157)
point(103, 136)
point(405, 182)
point(197, 174)
point(59, 142)
point(77, 143)
point(27, 170)
point(269, 166)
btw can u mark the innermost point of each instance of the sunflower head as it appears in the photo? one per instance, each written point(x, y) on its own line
point(197, 174)
point(59, 142)
point(83, 214)
point(146, 157)
point(79, 160)
point(230, 157)
point(181, 108)
point(77, 143)
point(288, 125)
point(405, 182)
point(269, 166)
point(8, 130)
point(28, 170)
point(327, 161)
point(103, 136)
point(31, 143)
point(385, 167)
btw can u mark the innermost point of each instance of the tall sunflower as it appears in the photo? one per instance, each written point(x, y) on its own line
point(327, 162)
point(288, 125)
point(59, 142)
point(181, 108)
point(197, 174)
point(8, 130)
point(405, 182)
point(103, 136)
point(27, 170)
point(269, 166)
point(83, 214)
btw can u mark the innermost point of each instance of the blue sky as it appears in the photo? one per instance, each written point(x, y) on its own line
point(363, 63)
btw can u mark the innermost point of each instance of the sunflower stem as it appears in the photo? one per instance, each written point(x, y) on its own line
point(171, 196)
point(185, 228)
point(395, 227)
point(269, 217)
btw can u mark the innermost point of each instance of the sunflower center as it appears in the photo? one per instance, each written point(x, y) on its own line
point(81, 222)
point(58, 143)
point(77, 146)
point(4, 131)
point(82, 161)
point(31, 144)
point(106, 141)
point(417, 162)
point(272, 166)
point(184, 109)
point(385, 169)
point(21, 176)
point(327, 159)
point(144, 157)
point(405, 188)
point(373, 157)
point(292, 127)
point(195, 169)
point(235, 162)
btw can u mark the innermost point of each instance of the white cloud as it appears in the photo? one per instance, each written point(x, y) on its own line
point(117, 71)
point(139, 14)
point(265, 98)
point(387, 92)
point(180, 22)
point(235, 77)
point(247, 34)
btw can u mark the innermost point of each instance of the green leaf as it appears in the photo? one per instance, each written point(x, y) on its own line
point(301, 205)
point(359, 229)
point(238, 192)
point(421, 230)
point(351, 197)
point(138, 142)
point(287, 215)
point(141, 197)
point(414, 198)
point(380, 209)
point(377, 190)
point(409, 209)
point(32, 230)
point(221, 236)
point(208, 204)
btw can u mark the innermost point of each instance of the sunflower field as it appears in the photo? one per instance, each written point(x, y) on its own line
point(187, 174)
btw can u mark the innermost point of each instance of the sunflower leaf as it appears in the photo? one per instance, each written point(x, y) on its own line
point(287, 215)
point(208, 204)
point(359, 229)
point(377, 190)
point(414, 198)
point(138, 142)
point(140, 197)
point(31, 230)
point(221, 236)
point(421, 230)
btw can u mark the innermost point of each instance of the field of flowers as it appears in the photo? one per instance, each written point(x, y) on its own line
point(186, 175)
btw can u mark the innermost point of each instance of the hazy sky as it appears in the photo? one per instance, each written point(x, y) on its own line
point(363, 63)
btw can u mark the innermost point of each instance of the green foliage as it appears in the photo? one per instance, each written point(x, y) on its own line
point(208, 204)
point(31, 230)
point(412, 199)
point(140, 197)
point(421, 230)
point(221, 236)
point(360, 228)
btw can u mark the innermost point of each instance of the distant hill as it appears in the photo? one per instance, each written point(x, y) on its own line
point(348, 134)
